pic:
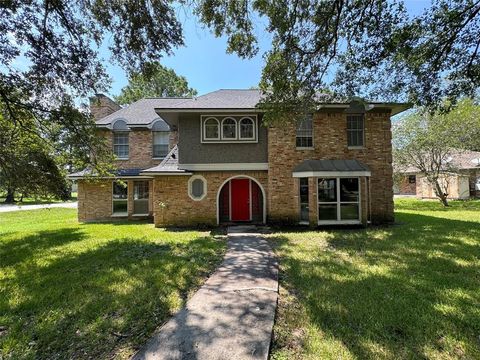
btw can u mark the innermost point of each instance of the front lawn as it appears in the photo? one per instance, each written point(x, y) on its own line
point(407, 291)
point(95, 290)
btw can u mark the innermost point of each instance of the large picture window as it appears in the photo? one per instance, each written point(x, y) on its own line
point(120, 199)
point(355, 130)
point(160, 143)
point(304, 138)
point(338, 200)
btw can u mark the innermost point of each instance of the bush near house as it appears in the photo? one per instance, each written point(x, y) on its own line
point(92, 291)
point(400, 292)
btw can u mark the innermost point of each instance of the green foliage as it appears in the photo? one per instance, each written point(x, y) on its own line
point(428, 141)
point(92, 291)
point(408, 291)
point(369, 48)
point(49, 57)
point(155, 81)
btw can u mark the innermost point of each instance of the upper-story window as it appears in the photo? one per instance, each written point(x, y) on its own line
point(161, 139)
point(160, 143)
point(355, 130)
point(224, 128)
point(120, 139)
point(211, 129)
point(304, 137)
point(247, 128)
point(229, 129)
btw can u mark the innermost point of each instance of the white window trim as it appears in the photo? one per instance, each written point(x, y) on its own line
point(357, 147)
point(240, 128)
point(145, 200)
point(220, 139)
point(190, 182)
point(123, 214)
point(236, 129)
point(338, 202)
point(300, 148)
point(204, 134)
point(153, 145)
point(113, 143)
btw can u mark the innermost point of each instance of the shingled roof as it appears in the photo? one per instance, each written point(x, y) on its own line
point(169, 165)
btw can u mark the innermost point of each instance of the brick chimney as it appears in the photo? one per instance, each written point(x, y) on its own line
point(101, 106)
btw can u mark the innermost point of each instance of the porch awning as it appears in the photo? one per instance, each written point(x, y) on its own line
point(326, 168)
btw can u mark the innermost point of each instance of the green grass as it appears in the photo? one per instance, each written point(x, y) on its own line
point(94, 290)
point(38, 200)
point(409, 291)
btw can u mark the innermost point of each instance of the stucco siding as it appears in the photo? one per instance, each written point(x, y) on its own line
point(193, 151)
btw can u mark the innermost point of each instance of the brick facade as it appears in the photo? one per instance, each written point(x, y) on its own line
point(95, 200)
point(173, 206)
point(330, 142)
point(140, 148)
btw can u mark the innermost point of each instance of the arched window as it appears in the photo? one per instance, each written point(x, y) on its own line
point(247, 129)
point(211, 129)
point(229, 129)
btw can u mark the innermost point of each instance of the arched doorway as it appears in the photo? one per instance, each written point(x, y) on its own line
point(241, 199)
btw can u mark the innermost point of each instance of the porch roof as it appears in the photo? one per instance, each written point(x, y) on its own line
point(350, 167)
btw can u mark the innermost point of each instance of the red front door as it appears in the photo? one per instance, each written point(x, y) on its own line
point(240, 199)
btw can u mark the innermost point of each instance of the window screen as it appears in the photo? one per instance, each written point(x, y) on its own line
point(305, 133)
point(355, 126)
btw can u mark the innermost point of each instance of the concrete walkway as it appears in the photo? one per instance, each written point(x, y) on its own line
point(9, 207)
point(231, 316)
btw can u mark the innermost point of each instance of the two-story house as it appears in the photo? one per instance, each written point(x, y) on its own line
point(210, 160)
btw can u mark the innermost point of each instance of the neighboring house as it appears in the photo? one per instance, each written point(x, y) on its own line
point(210, 160)
point(461, 183)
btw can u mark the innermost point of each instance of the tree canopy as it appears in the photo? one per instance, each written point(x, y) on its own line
point(155, 81)
point(49, 54)
point(371, 48)
point(428, 142)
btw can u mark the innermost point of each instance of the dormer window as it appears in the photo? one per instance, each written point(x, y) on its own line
point(212, 129)
point(120, 139)
point(229, 128)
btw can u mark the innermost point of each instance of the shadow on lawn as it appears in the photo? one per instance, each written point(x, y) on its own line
point(93, 303)
point(392, 292)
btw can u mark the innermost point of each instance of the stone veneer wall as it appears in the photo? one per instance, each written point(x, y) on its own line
point(140, 149)
point(173, 206)
point(330, 142)
point(95, 200)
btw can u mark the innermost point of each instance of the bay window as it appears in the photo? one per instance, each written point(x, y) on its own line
point(338, 200)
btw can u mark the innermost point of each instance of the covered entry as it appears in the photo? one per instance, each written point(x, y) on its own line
point(241, 199)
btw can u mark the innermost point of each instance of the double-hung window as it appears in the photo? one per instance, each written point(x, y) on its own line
point(120, 199)
point(120, 144)
point(355, 130)
point(304, 138)
point(160, 143)
point(338, 200)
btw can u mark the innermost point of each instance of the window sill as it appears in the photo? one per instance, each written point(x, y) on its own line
point(355, 147)
point(121, 159)
point(140, 214)
point(120, 215)
point(304, 148)
point(303, 223)
point(159, 158)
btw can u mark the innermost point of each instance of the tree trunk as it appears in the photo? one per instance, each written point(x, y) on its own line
point(10, 198)
point(440, 194)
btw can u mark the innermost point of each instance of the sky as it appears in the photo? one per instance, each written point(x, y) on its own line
point(206, 65)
